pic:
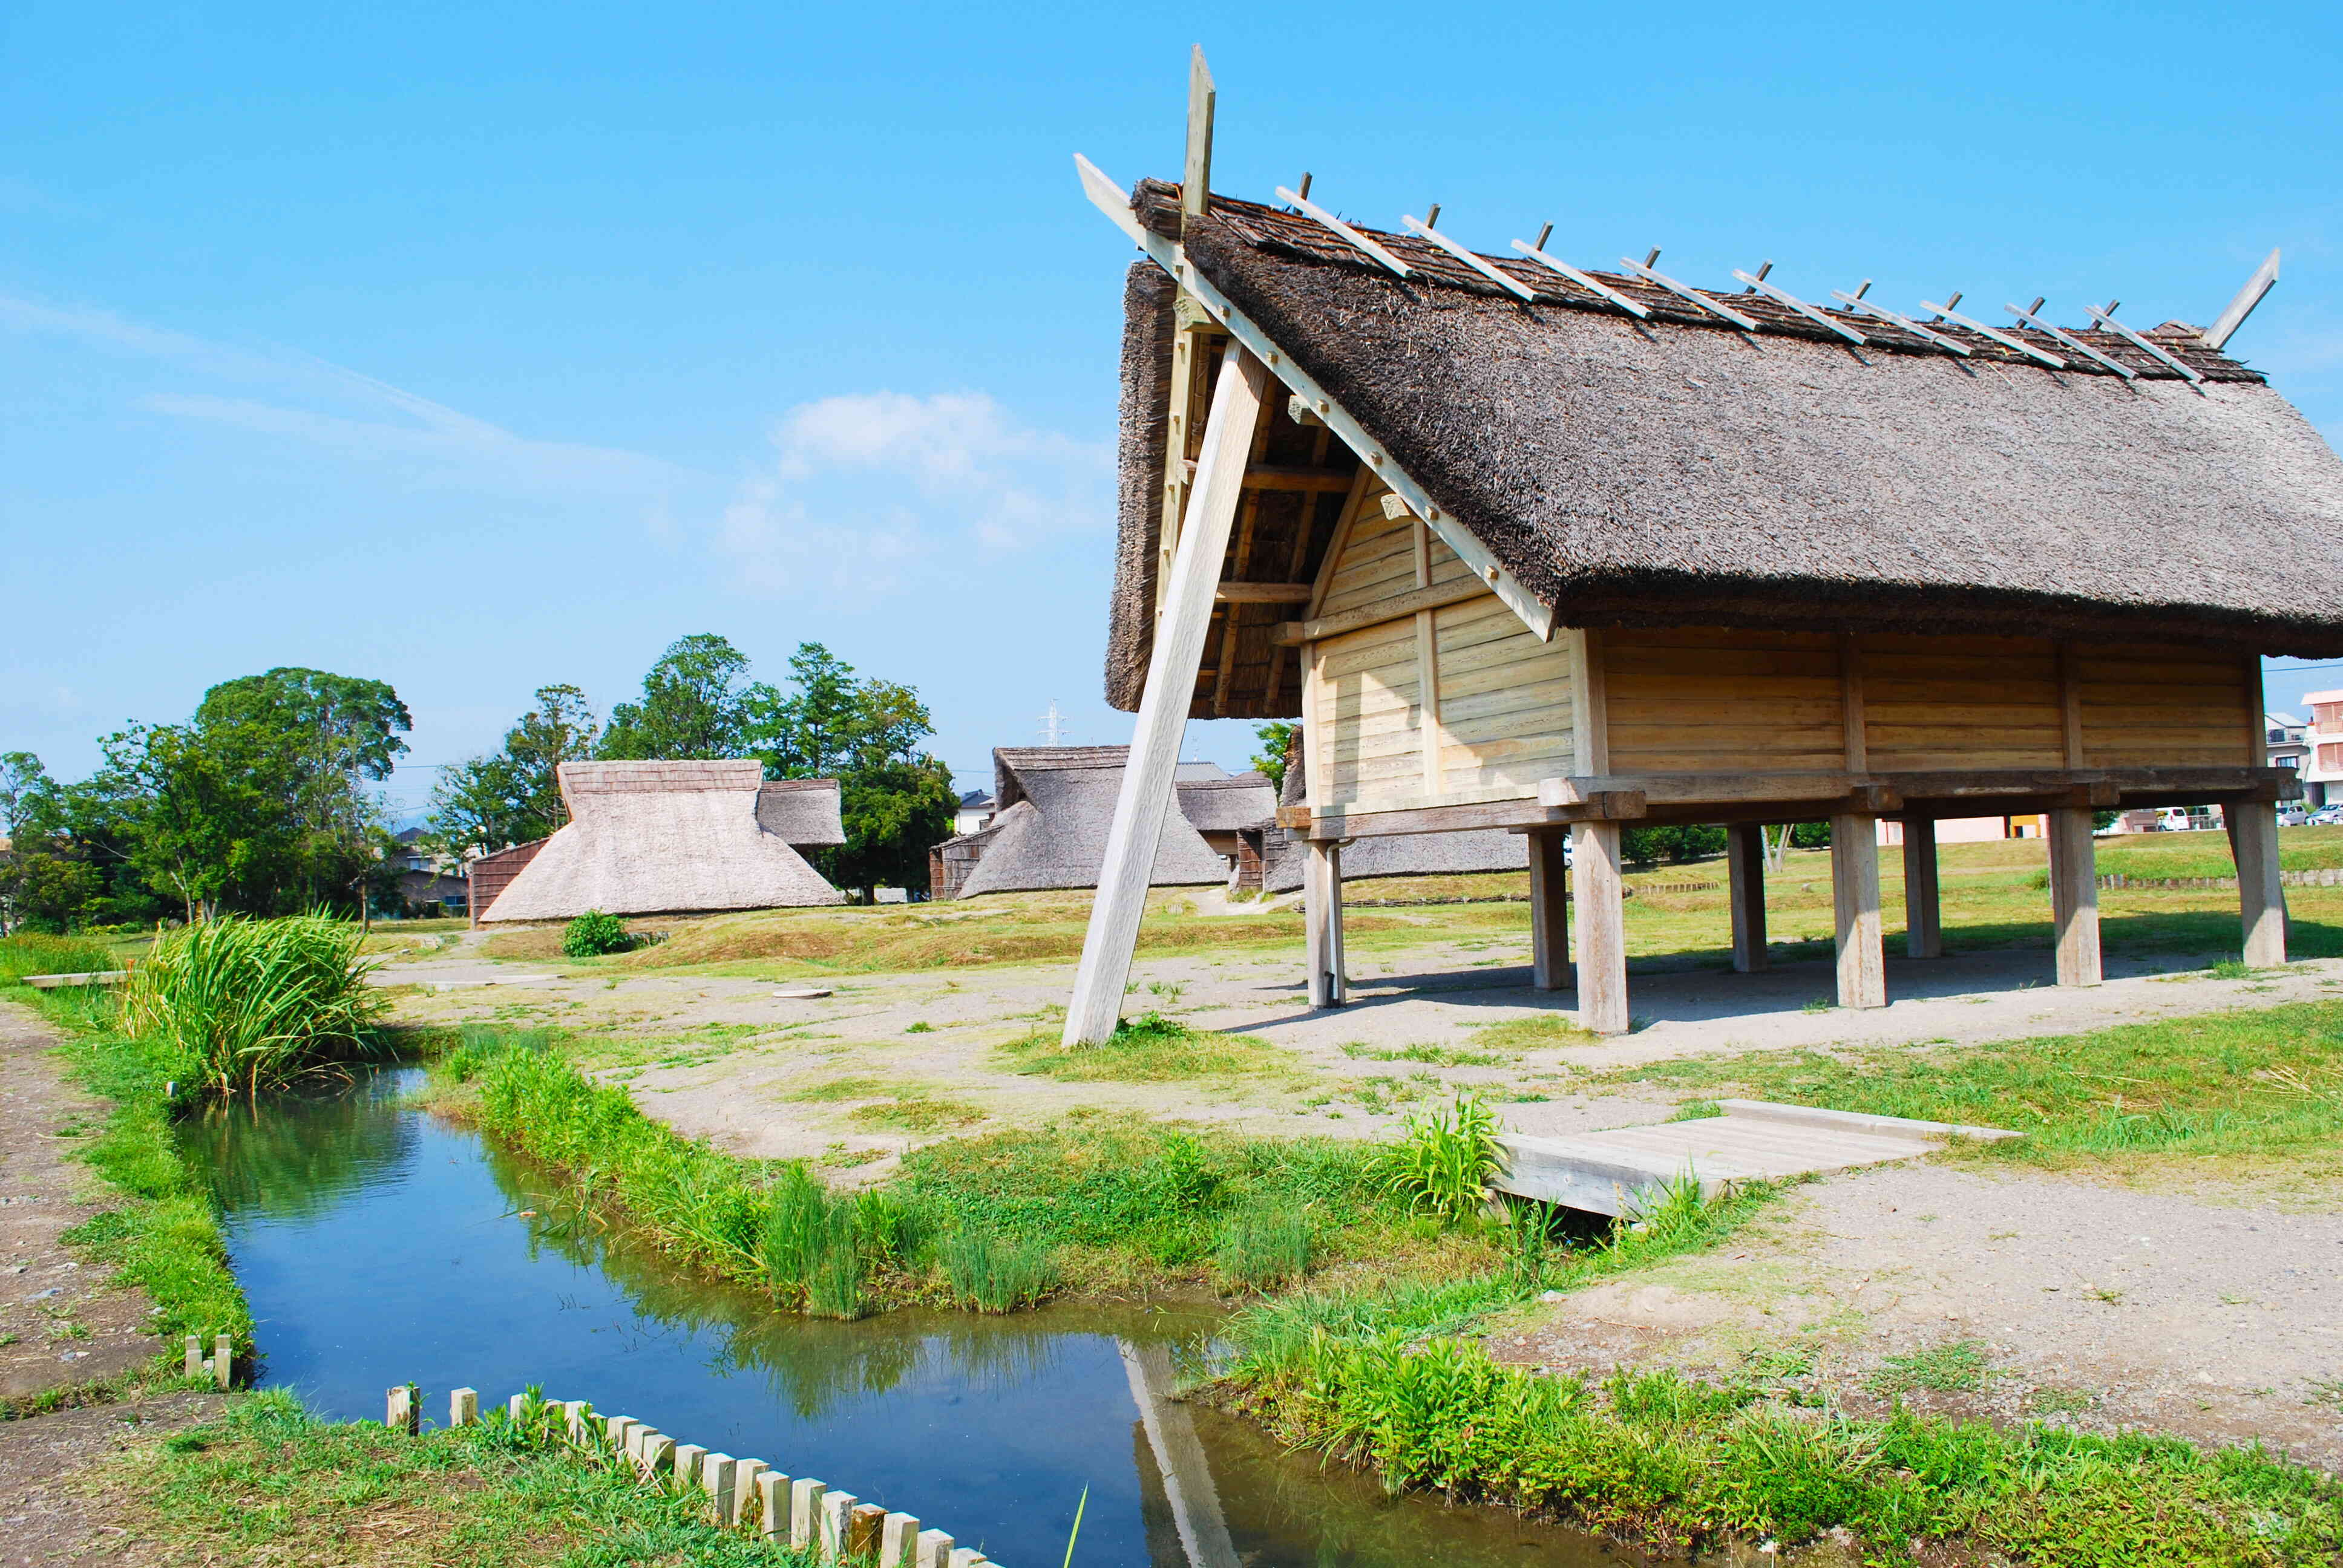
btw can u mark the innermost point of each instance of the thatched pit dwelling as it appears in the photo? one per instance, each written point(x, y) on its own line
point(671, 838)
point(1547, 556)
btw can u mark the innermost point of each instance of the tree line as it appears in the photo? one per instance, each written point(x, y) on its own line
point(264, 802)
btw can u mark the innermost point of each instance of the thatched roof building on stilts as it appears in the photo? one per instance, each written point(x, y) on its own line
point(1555, 550)
point(676, 838)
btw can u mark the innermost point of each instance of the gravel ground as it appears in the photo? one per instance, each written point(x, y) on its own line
point(2091, 1305)
point(50, 1512)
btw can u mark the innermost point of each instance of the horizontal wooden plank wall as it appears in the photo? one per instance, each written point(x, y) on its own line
point(1448, 707)
point(2150, 705)
point(1954, 702)
point(1690, 700)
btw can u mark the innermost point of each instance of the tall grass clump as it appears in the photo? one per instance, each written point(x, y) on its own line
point(1265, 1244)
point(33, 953)
point(243, 1005)
point(995, 1273)
point(1443, 1159)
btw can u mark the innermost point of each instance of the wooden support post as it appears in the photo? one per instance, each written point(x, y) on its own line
point(224, 1345)
point(717, 1473)
point(805, 1512)
point(617, 1429)
point(194, 1366)
point(2261, 891)
point(1924, 927)
point(1147, 775)
point(2075, 896)
point(899, 1537)
point(773, 1498)
point(403, 1409)
point(748, 1490)
point(685, 1475)
point(1322, 916)
point(1745, 867)
point(864, 1523)
point(1550, 909)
point(934, 1550)
point(837, 1507)
point(463, 1407)
point(659, 1454)
point(1601, 927)
point(516, 1406)
point(964, 1557)
point(1855, 893)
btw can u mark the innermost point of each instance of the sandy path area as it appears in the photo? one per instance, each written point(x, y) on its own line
point(2078, 1303)
point(60, 1324)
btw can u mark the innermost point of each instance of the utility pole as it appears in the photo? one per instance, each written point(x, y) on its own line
point(1054, 725)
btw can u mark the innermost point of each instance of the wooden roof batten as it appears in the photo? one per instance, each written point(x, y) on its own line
point(1115, 203)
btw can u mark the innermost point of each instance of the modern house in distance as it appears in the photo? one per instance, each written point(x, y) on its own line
point(2322, 762)
point(1556, 551)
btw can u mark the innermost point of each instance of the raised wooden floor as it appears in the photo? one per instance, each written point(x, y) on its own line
point(1620, 1171)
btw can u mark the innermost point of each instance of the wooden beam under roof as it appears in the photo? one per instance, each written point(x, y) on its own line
point(2217, 336)
point(1116, 203)
point(1265, 593)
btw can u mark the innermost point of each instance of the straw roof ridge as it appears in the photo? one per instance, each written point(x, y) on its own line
point(1673, 473)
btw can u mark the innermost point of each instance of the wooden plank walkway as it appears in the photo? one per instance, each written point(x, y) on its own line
point(1618, 1171)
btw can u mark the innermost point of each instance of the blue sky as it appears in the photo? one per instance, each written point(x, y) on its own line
point(475, 347)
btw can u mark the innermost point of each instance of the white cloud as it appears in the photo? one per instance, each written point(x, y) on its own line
point(355, 415)
point(866, 488)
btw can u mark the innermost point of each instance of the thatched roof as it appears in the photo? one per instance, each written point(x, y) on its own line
point(801, 812)
point(1226, 805)
point(663, 838)
point(1678, 471)
point(1057, 806)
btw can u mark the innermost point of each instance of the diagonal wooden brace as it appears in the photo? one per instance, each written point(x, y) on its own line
point(1238, 401)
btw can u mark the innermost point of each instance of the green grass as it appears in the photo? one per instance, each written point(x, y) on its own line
point(1109, 1201)
point(1543, 1032)
point(266, 1482)
point(2264, 1082)
point(1959, 1367)
point(160, 1232)
point(32, 953)
point(1150, 1049)
point(1689, 1465)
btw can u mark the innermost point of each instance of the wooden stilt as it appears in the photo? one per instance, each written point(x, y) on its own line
point(1548, 911)
point(1322, 914)
point(1855, 893)
point(2075, 896)
point(1745, 864)
point(1601, 927)
point(2261, 893)
point(1178, 651)
point(1923, 930)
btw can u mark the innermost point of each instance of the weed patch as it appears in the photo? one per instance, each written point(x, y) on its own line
point(2263, 1082)
point(1959, 1367)
point(1543, 1032)
point(1150, 1048)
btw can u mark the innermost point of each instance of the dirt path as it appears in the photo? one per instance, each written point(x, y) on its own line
point(2057, 1300)
point(59, 1323)
point(47, 1513)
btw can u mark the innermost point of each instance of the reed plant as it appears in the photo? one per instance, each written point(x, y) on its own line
point(242, 1006)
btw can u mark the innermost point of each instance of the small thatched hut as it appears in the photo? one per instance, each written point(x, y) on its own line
point(1056, 803)
point(1546, 550)
point(675, 837)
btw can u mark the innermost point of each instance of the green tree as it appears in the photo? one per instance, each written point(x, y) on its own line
point(1278, 738)
point(559, 728)
point(695, 705)
point(896, 800)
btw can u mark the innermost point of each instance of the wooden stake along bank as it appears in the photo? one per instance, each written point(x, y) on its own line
point(1558, 550)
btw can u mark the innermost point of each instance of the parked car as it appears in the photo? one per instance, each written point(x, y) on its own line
point(2292, 816)
point(2327, 817)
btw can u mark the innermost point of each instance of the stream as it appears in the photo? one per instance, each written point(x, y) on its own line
point(379, 1245)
